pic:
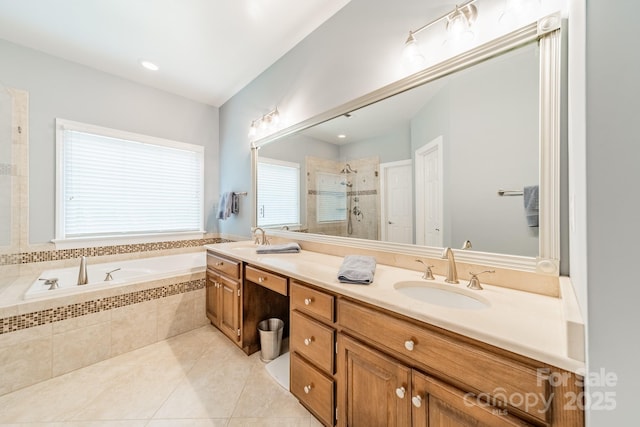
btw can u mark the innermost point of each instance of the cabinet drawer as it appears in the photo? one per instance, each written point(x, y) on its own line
point(223, 265)
point(310, 301)
point(314, 389)
point(313, 340)
point(472, 366)
point(268, 280)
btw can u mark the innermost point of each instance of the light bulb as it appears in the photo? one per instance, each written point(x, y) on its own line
point(457, 24)
point(460, 20)
point(149, 65)
point(411, 52)
point(275, 117)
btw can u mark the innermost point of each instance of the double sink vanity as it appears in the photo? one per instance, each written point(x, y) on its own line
point(403, 350)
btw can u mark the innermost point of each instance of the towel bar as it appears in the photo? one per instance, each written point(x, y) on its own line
point(502, 193)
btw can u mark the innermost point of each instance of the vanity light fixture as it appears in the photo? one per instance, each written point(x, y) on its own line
point(458, 24)
point(411, 51)
point(265, 123)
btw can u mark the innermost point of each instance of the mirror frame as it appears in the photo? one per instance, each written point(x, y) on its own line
point(547, 31)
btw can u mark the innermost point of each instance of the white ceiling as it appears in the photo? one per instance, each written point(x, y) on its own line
point(207, 50)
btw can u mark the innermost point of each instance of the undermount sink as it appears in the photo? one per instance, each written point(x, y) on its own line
point(442, 295)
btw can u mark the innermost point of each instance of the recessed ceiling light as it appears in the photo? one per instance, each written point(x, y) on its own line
point(342, 136)
point(149, 65)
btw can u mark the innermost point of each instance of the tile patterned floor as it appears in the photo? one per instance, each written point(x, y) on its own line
point(197, 379)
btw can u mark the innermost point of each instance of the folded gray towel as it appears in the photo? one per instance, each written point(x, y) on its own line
point(285, 248)
point(358, 269)
point(531, 205)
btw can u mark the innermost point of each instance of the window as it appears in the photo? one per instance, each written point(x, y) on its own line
point(278, 192)
point(113, 183)
point(332, 197)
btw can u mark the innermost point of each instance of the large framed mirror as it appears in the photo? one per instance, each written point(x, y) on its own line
point(462, 154)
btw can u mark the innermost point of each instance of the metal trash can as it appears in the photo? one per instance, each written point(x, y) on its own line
point(270, 331)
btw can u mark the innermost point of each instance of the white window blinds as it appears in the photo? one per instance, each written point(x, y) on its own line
point(332, 197)
point(118, 186)
point(278, 192)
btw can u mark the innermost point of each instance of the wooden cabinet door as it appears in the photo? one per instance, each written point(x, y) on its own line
point(374, 390)
point(213, 298)
point(436, 404)
point(230, 308)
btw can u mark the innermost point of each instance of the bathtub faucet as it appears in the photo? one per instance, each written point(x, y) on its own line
point(83, 277)
point(109, 276)
point(51, 283)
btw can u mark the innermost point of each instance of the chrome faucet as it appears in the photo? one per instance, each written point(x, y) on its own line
point(83, 277)
point(262, 239)
point(452, 272)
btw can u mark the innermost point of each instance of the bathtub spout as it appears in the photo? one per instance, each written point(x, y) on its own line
point(83, 277)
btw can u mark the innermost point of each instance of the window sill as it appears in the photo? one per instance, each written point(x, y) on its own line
point(90, 242)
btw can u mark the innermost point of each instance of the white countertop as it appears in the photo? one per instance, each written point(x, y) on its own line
point(528, 324)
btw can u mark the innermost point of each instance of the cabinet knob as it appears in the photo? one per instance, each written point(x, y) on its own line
point(307, 388)
point(219, 264)
point(409, 344)
point(261, 279)
point(308, 341)
point(417, 401)
point(400, 392)
point(308, 301)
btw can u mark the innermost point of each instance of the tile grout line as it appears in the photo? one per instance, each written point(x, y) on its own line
point(202, 355)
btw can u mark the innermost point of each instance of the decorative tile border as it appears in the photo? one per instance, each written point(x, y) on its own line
point(52, 315)
point(63, 254)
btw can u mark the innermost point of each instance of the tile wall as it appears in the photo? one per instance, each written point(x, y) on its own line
point(38, 345)
point(46, 338)
point(362, 198)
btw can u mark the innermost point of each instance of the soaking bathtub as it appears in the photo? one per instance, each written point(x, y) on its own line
point(130, 272)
